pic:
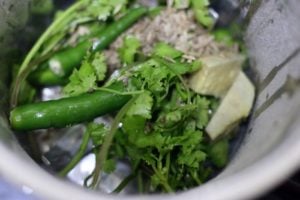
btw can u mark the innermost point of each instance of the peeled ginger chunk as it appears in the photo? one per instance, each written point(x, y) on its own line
point(235, 106)
point(216, 74)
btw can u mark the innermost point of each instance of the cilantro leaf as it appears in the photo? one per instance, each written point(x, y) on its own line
point(81, 81)
point(218, 152)
point(202, 112)
point(84, 79)
point(154, 76)
point(181, 4)
point(109, 166)
point(134, 126)
point(200, 8)
point(201, 12)
point(142, 106)
point(97, 132)
point(193, 159)
point(178, 68)
point(99, 65)
point(196, 65)
point(117, 5)
point(102, 9)
point(190, 147)
point(166, 51)
point(99, 10)
point(175, 116)
point(223, 35)
point(170, 119)
point(129, 49)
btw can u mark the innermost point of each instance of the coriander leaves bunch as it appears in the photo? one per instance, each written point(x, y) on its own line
point(162, 130)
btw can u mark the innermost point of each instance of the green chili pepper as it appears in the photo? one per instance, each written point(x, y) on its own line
point(56, 70)
point(67, 111)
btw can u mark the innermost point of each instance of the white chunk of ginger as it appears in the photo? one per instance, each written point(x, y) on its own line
point(235, 105)
point(216, 74)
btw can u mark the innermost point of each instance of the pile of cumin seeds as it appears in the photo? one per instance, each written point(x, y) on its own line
point(175, 27)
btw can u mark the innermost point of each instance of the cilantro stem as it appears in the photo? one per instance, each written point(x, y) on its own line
point(163, 180)
point(120, 93)
point(86, 180)
point(168, 158)
point(167, 187)
point(140, 182)
point(195, 177)
point(25, 67)
point(124, 183)
point(159, 165)
point(186, 88)
point(101, 157)
point(79, 154)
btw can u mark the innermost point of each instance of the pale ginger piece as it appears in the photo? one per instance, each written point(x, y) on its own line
point(217, 74)
point(235, 106)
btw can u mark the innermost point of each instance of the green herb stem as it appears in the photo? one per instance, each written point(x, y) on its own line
point(105, 89)
point(101, 157)
point(163, 180)
point(25, 67)
point(168, 158)
point(78, 156)
point(124, 183)
point(140, 182)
